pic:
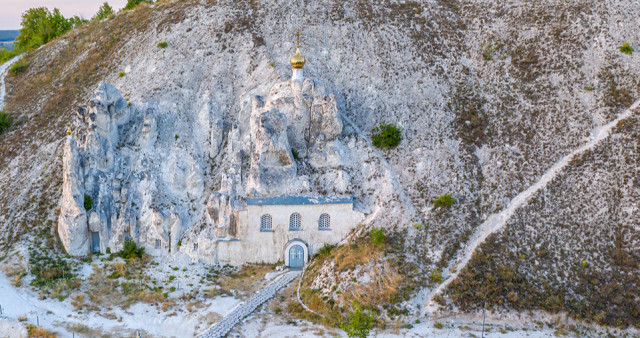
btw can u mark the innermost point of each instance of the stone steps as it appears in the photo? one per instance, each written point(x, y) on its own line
point(221, 328)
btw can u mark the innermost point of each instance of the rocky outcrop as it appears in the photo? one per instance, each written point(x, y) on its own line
point(145, 185)
point(72, 222)
point(273, 168)
point(312, 123)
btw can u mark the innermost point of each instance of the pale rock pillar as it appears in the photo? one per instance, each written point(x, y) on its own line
point(72, 222)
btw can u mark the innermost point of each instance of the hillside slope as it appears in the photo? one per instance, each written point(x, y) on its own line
point(489, 94)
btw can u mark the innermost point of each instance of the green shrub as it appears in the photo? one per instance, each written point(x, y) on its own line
point(377, 236)
point(436, 276)
point(171, 278)
point(48, 271)
point(438, 325)
point(162, 45)
point(296, 155)
point(626, 48)
point(173, 288)
point(326, 250)
point(104, 12)
point(444, 200)
point(88, 202)
point(131, 4)
point(131, 250)
point(5, 121)
point(18, 67)
point(122, 74)
point(386, 136)
point(360, 322)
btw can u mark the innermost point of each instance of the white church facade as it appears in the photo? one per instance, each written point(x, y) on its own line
point(288, 229)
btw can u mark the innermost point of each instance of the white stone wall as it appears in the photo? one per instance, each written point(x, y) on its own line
point(255, 246)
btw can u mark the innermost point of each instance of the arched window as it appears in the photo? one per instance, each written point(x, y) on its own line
point(295, 221)
point(324, 222)
point(265, 222)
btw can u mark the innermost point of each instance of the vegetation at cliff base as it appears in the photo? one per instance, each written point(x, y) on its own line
point(386, 136)
point(131, 250)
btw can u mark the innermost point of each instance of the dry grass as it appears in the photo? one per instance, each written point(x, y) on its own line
point(85, 331)
point(77, 301)
point(383, 288)
point(22, 318)
point(193, 306)
point(247, 279)
point(15, 270)
point(349, 256)
point(40, 332)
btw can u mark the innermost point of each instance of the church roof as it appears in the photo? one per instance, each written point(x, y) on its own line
point(299, 200)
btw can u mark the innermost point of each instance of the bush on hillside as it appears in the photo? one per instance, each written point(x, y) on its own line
point(386, 136)
point(377, 236)
point(444, 200)
point(18, 67)
point(131, 4)
point(131, 250)
point(360, 322)
point(39, 26)
point(626, 48)
point(162, 44)
point(326, 250)
point(103, 12)
point(5, 121)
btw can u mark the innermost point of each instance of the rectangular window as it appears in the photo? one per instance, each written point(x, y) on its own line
point(158, 243)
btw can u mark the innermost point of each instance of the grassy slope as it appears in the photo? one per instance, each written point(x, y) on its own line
point(590, 246)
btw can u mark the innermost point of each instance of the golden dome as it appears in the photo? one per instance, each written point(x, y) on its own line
point(297, 59)
point(69, 131)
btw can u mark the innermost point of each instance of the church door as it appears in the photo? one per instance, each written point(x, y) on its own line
point(296, 257)
point(95, 241)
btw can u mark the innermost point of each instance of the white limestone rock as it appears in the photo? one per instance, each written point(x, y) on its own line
point(273, 169)
point(72, 222)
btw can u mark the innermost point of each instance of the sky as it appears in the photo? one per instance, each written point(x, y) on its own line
point(11, 10)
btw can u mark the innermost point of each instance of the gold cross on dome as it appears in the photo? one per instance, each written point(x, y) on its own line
point(297, 34)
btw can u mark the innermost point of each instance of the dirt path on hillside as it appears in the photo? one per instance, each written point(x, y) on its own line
point(497, 221)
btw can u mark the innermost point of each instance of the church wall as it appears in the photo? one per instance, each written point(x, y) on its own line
point(256, 246)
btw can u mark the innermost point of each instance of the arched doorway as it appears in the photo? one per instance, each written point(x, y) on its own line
point(296, 254)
